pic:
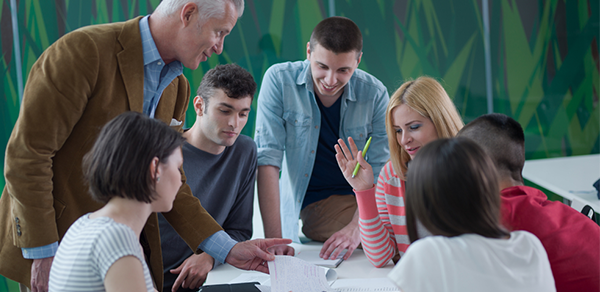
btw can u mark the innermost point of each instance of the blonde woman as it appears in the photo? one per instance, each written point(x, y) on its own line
point(419, 112)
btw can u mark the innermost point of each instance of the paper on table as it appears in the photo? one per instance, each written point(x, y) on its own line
point(364, 285)
point(312, 256)
point(293, 274)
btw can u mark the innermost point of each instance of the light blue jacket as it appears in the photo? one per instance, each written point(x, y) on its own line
point(288, 124)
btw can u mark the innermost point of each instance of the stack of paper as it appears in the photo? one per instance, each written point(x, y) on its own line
point(294, 274)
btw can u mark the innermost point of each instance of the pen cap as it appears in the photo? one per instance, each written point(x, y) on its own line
point(366, 147)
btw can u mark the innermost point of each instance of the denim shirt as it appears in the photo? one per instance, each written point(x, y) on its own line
point(288, 124)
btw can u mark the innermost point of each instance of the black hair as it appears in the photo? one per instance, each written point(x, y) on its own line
point(337, 34)
point(234, 80)
point(503, 139)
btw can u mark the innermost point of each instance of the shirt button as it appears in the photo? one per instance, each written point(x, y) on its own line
point(296, 121)
point(316, 127)
point(159, 63)
point(361, 135)
point(306, 175)
point(312, 151)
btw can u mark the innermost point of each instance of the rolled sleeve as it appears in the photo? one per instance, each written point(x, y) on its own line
point(218, 245)
point(270, 132)
point(268, 156)
point(41, 252)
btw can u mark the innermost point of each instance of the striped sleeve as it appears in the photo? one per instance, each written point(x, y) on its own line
point(112, 246)
point(382, 222)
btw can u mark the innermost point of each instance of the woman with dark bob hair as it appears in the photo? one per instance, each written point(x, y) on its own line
point(452, 190)
point(134, 168)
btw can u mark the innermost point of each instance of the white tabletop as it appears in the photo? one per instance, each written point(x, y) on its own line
point(357, 266)
point(570, 177)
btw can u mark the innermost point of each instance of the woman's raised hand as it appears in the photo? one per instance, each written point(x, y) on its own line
point(347, 159)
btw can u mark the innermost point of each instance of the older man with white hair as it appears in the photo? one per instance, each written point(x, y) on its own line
point(78, 84)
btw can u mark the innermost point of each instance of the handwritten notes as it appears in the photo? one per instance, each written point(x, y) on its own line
point(293, 274)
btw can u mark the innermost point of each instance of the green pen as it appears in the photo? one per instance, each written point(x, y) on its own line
point(355, 172)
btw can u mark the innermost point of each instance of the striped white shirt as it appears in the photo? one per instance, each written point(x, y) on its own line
point(88, 250)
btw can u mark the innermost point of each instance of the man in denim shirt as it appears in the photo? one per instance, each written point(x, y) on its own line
point(303, 108)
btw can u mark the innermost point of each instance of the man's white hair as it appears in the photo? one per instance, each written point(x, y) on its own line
point(207, 8)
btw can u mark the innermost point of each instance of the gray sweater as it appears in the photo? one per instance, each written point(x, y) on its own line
point(224, 183)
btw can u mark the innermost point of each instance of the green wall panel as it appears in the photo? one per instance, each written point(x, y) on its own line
point(546, 73)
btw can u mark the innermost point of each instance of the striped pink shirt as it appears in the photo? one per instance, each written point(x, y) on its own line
point(382, 220)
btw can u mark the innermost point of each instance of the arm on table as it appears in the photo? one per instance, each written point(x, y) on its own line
point(193, 271)
point(378, 247)
point(268, 199)
point(270, 138)
point(367, 210)
point(375, 215)
point(347, 238)
point(253, 254)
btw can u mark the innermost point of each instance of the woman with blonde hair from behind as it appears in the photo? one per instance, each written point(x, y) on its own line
point(419, 112)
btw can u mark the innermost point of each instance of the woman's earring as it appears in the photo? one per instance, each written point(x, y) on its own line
point(157, 178)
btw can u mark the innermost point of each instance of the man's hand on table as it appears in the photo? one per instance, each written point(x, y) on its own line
point(40, 274)
point(347, 238)
point(192, 272)
point(253, 254)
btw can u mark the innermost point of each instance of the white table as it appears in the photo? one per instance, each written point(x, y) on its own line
point(569, 177)
point(357, 266)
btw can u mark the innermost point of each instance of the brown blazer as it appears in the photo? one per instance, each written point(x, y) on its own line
point(78, 84)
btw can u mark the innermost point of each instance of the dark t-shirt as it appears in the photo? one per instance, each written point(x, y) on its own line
point(327, 178)
point(224, 183)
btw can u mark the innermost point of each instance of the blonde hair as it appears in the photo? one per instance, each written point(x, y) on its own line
point(427, 97)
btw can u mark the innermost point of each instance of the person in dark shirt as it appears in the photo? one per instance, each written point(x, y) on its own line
point(220, 166)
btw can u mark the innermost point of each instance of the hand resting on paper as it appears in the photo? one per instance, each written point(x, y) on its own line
point(253, 254)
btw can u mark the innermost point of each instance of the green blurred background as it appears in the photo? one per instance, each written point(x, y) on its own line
point(543, 55)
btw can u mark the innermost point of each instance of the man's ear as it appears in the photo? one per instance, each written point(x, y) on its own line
point(308, 50)
point(359, 58)
point(199, 105)
point(189, 13)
